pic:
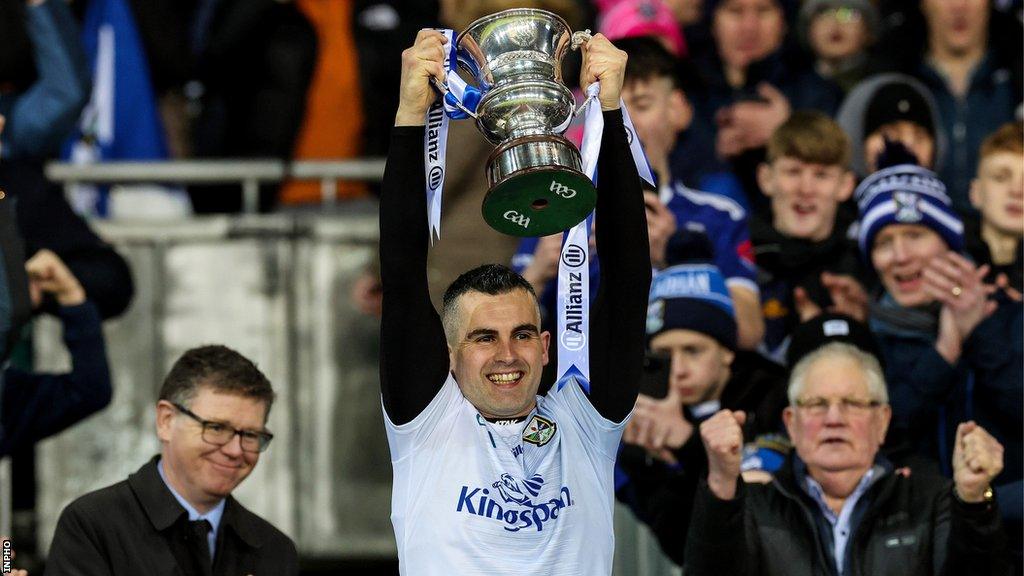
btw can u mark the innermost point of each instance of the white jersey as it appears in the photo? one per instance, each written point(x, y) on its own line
point(474, 497)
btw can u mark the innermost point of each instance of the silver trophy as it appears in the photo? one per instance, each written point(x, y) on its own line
point(535, 178)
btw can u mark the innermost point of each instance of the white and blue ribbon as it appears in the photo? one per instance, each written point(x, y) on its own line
point(458, 97)
point(573, 304)
point(573, 301)
point(459, 92)
point(435, 147)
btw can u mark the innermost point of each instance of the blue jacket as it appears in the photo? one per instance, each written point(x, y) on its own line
point(929, 397)
point(35, 406)
point(40, 117)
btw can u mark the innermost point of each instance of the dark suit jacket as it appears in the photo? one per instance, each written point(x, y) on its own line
point(136, 527)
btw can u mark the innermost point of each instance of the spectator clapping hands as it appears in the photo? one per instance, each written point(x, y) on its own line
point(958, 285)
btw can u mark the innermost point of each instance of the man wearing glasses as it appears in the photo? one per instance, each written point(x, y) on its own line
point(837, 506)
point(177, 510)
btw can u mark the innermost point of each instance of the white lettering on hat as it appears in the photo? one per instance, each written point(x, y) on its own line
point(836, 327)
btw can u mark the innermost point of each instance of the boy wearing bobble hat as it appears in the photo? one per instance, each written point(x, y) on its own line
point(691, 330)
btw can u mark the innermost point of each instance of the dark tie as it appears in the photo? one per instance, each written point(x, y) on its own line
point(198, 544)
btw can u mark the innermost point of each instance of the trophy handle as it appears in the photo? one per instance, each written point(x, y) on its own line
point(580, 38)
point(442, 87)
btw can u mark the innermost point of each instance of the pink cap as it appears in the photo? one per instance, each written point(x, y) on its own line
point(632, 18)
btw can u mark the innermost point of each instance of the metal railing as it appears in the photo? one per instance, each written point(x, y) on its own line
point(248, 173)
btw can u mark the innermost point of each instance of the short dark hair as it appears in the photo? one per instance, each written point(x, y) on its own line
point(217, 367)
point(493, 279)
point(647, 58)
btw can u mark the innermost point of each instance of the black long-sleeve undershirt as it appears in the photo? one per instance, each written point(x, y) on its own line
point(414, 355)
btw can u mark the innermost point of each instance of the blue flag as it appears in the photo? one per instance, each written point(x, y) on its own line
point(121, 121)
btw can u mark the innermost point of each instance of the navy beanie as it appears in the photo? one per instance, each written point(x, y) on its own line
point(906, 194)
point(692, 297)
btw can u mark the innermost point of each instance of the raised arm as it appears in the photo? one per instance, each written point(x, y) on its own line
point(36, 406)
point(413, 351)
point(619, 312)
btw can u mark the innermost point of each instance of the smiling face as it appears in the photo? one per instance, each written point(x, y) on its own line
point(998, 192)
point(840, 439)
point(747, 30)
point(837, 34)
point(804, 196)
point(899, 254)
point(201, 472)
point(499, 352)
point(700, 364)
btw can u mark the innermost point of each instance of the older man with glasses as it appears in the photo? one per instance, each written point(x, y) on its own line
point(837, 507)
point(177, 510)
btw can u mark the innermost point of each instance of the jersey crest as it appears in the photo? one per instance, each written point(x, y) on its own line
point(539, 431)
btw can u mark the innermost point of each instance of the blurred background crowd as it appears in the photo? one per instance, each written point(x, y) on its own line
point(782, 134)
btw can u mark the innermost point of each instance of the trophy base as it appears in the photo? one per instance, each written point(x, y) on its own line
point(537, 187)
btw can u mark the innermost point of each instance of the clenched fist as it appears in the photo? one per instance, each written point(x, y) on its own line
point(722, 435)
point(603, 62)
point(977, 459)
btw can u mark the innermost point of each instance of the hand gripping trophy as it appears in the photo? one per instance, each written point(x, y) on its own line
point(535, 178)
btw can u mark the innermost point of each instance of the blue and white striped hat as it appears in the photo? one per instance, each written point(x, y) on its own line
point(906, 194)
point(692, 297)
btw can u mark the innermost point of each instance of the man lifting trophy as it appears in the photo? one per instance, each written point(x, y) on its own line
point(489, 476)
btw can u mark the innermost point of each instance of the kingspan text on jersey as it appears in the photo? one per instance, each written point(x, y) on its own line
point(516, 517)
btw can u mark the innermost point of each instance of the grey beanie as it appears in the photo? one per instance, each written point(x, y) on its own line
point(812, 8)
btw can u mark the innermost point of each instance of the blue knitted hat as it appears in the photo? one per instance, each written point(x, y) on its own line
point(906, 194)
point(692, 297)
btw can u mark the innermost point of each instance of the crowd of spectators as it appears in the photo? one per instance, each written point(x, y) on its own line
point(839, 208)
point(888, 343)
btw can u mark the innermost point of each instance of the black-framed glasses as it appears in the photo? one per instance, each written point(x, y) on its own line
point(817, 406)
point(219, 433)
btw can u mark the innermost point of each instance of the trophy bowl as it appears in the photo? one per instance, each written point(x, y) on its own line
point(536, 185)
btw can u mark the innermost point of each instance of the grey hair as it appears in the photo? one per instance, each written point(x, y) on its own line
point(867, 363)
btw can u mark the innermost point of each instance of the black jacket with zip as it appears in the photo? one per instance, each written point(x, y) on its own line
point(913, 526)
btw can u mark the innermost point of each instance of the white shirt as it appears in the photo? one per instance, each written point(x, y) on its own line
point(475, 497)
